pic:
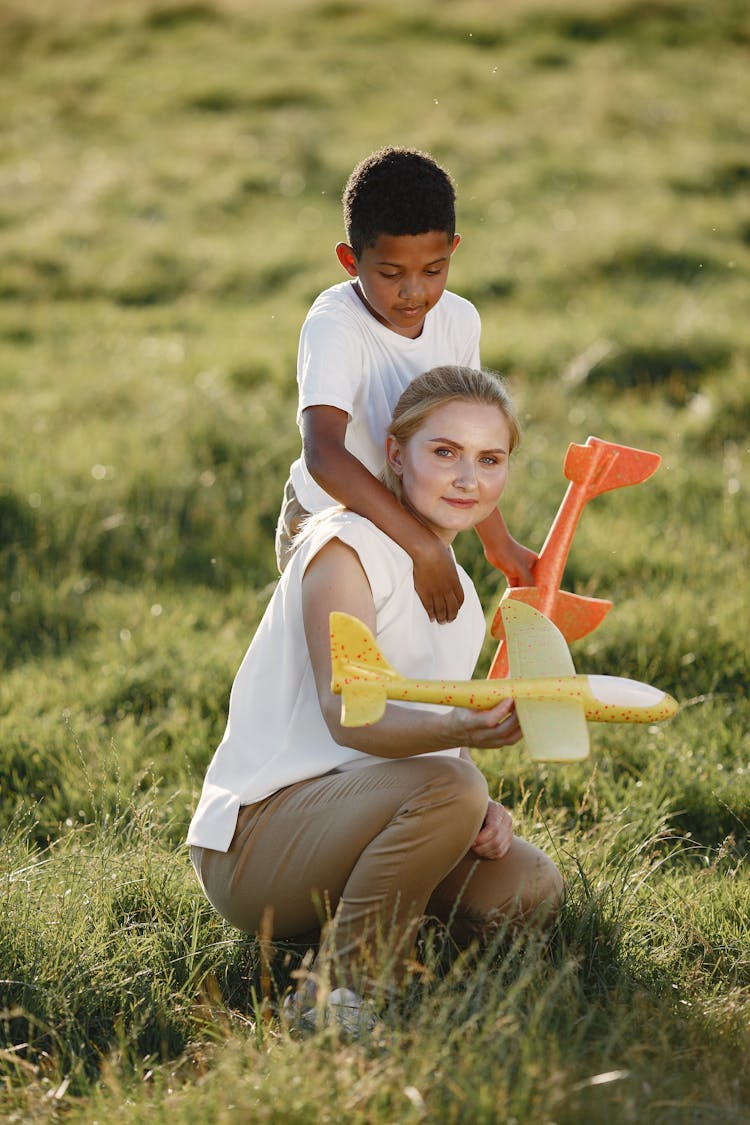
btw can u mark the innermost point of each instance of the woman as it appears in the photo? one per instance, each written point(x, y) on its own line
point(302, 821)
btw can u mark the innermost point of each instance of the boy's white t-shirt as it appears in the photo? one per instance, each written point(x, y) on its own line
point(276, 734)
point(349, 360)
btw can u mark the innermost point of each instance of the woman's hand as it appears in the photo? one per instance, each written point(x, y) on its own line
point(496, 834)
point(486, 730)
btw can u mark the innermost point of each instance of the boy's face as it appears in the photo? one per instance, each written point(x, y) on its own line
point(401, 277)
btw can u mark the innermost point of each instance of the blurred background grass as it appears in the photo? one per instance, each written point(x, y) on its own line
point(170, 179)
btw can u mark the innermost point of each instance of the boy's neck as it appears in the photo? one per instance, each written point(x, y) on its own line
point(374, 315)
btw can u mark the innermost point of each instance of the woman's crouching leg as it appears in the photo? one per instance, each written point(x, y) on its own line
point(383, 902)
point(482, 897)
point(360, 852)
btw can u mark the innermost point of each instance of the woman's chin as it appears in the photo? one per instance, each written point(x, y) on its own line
point(458, 518)
point(448, 528)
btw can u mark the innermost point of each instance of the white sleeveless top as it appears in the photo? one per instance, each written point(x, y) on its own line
point(276, 734)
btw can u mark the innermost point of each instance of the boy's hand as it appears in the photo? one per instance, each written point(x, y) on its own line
point(515, 561)
point(436, 579)
point(503, 552)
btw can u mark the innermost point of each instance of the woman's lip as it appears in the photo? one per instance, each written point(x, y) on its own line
point(455, 502)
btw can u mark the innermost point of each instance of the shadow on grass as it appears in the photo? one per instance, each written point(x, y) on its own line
point(656, 22)
point(657, 263)
point(726, 178)
point(676, 371)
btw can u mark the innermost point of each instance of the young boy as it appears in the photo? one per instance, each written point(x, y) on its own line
point(362, 343)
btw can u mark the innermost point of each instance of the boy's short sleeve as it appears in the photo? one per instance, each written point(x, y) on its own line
point(330, 363)
point(473, 337)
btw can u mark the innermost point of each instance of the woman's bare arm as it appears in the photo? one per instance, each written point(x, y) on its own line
point(335, 580)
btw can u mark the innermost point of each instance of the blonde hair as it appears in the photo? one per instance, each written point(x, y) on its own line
point(437, 387)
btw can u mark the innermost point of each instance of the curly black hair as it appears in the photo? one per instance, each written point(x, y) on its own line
point(397, 191)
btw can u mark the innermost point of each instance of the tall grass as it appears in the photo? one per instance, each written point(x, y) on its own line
point(170, 176)
point(122, 968)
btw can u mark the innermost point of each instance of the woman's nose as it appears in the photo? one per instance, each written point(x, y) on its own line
point(466, 476)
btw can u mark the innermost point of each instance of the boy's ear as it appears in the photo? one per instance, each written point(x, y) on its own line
point(456, 240)
point(393, 454)
point(348, 258)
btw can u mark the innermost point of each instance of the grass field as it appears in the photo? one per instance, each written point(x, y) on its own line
point(170, 177)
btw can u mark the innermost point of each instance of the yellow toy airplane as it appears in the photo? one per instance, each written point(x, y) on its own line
point(552, 701)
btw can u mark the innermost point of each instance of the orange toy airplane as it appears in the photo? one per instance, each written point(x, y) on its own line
point(598, 466)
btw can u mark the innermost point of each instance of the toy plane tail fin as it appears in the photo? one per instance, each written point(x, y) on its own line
point(358, 671)
point(603, 465)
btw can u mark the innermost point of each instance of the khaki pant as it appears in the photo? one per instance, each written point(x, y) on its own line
point(372, 850)
point(290, 517)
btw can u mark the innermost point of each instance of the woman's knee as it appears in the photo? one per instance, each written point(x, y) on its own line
point(456, 784)
point(485, 897)
point(450, 797)
point(543, 890)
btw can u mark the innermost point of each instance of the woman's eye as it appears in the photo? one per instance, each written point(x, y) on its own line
point(489, 460)
point(443, 452)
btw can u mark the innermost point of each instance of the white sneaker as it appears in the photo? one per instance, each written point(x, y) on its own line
point(298, 1011)
point(349, 1011)
point(343, 1008)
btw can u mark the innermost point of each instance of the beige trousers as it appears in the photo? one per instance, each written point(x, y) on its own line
point(364, 854)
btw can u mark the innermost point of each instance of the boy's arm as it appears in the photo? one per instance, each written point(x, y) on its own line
point(343, 476)
point(504, 553)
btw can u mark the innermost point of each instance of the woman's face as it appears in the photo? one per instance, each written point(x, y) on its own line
point(454, 467)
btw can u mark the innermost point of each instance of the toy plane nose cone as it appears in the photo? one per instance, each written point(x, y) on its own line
point(617, 691)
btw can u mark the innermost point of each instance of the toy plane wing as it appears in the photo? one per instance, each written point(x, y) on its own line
point(553, 730)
